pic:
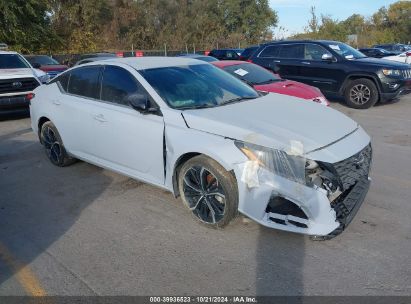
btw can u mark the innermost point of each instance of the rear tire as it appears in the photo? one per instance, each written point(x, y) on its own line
point(361, 94)
point(53, 145)
point(208, 191)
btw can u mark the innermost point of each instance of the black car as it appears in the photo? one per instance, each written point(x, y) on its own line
point(337, 69)
point(248, 52)
point(396, 48)
point(376, 52)
point(225, 54)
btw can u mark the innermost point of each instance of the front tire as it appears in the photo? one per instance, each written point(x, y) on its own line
point(53, 145)
point(208, 191)
point(361, 94)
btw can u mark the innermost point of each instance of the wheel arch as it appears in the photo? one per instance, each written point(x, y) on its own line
point(359, 76)
point(41, 121)
point(183, 158)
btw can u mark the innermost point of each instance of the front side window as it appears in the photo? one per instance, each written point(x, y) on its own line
point(85, 82)
point(117, 85)
point(12, 61)
point(252, 73)
point(346, 51)
point(292, 51)
point(197, 86)
point(314, 52)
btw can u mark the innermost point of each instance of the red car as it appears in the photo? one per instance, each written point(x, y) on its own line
point(47, 64)
point(263, 80)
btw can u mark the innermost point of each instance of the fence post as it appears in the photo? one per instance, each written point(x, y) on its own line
point(165, 49)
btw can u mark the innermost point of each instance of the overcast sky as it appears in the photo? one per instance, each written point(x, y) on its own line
point(294, 14)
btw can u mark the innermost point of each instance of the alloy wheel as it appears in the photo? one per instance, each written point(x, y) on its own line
point(360, 94)
point(204, 195)
point(52, 145)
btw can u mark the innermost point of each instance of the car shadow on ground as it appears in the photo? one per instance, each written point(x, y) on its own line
point(36, 209)
point(280, 261)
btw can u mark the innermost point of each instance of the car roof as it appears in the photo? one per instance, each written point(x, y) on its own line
point(191, 55)
point(226, 63)
point(300, 41)
point(142, 63)
point(7, 52)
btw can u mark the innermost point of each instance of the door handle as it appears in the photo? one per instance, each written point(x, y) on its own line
point(100, 117)
point(56, 102)
point(306, 62)
point(277, 61)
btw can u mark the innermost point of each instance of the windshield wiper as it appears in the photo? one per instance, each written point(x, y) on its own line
point(238, 99)
point(203, 106)
point(268, 81)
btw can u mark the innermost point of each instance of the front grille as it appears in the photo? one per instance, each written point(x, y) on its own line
point(406, 73)
point(18, 85)
point(354, 168)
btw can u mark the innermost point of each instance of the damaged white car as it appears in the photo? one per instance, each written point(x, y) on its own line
point(191, 128)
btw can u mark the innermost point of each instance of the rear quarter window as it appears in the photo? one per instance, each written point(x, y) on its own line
point(62, 80)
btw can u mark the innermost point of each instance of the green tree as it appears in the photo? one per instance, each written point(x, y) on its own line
point(25, 24)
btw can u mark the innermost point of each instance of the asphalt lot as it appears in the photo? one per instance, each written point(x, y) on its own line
point(82, 230)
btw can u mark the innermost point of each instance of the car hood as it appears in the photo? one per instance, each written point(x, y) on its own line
point(275, 121)
point(292, 88)
point(16, 73)
point(383, 62)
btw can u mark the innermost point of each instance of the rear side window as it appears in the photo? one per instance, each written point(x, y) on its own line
point(270, 51)
point(292, 51)
point(85, 82)
point(118, 84)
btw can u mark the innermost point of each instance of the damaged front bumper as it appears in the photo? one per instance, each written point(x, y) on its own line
point(277, 202)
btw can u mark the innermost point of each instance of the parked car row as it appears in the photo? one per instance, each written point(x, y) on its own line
point(199, 131)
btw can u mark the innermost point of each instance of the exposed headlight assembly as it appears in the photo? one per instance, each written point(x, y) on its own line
point(390, 72)
point(278, 162)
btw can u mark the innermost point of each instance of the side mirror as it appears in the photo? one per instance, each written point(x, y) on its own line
point(327, 57)
point(275, 68)
point(141, 103)
point(36, 65)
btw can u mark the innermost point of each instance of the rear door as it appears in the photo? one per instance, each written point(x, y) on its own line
point(72, 108)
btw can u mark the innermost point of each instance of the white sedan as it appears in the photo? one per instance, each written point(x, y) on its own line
point(403, 57)
point(188, 127)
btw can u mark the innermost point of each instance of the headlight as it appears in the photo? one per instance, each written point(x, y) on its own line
point(276, 161)
point(321, 100)
point(390, 72)
point(44, 78)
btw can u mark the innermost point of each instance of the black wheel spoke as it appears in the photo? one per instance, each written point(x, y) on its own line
point(204, 195)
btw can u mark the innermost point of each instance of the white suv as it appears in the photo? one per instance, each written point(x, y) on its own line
point(191, 128)
point(17, 80)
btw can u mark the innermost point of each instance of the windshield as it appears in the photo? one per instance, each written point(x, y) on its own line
point(42, 60)
point(346, 51)
point(197, 86)
point(12, 61)
point(251, 73)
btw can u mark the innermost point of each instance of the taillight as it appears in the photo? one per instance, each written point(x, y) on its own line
point(30, 96)
point(408, 54)
point(120, 54)
point(249, 60)
point(139, 54)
